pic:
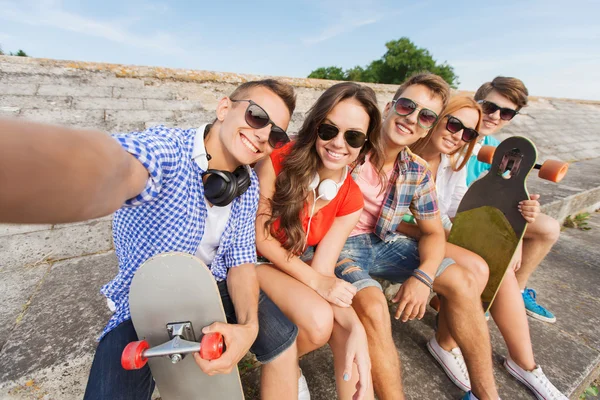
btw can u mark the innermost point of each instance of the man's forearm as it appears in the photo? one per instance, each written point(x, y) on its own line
point(432, 247)
point(242, 285)
point(52, 174)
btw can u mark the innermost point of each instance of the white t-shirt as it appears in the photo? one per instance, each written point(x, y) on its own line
point(217, 217)
point(451, 186)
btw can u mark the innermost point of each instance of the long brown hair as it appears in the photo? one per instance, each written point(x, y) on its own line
point(460, 156)
point(301, 165)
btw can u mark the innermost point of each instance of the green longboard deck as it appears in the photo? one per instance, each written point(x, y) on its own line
point(495, 242)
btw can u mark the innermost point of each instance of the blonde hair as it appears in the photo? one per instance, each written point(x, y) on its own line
point(460, 156)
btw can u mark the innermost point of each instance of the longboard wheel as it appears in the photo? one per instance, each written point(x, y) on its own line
point(553, 170)
point(212, 346)
point(486, 154)
point(132, 358)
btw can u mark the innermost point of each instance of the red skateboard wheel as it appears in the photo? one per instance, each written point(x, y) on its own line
point(212, 346)
point(132, 358)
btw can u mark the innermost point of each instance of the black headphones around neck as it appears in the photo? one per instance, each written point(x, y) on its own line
point(222, 187)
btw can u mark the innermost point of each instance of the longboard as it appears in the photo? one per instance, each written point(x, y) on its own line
point(488, 221)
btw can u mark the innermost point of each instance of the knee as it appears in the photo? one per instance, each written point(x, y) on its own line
point(373, 311)
point(319, 326)
point(480, 270)
point(546, 229)
point(462, 284)
point(553, 230)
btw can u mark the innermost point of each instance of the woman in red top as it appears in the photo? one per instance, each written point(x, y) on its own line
point(308, 207)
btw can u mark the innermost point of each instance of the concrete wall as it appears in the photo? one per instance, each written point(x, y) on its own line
point(117, 98)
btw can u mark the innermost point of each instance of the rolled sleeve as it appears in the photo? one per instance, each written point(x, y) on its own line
point(157, 149)
point(424, 204)
point(243, 249)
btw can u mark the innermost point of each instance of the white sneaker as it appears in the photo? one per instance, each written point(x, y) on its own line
point(303, 393)
point(535, 380)
point(452, 363)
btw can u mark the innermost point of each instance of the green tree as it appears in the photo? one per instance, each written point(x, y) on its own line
point(333, 73)
point(21, 53)
point(402, 59)
point(1, 52)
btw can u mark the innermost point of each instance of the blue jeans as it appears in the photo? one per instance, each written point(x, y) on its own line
point(108, 379)
point(369, 256)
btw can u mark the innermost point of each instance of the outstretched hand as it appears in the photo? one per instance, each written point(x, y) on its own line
point(238, 339)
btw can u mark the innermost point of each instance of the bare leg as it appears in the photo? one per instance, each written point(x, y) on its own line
point(279, 378)
point(345, 389)
point(314, 318)
point(480, 270)
point(372, 309)
point(509, 314)
point(537, 242)
point(460, 304)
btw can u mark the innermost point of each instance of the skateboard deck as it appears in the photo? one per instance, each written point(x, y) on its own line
point(176, 293)
point(488, 221)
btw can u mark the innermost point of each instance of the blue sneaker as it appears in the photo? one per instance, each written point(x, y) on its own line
point(468, 396)
point(535, 310)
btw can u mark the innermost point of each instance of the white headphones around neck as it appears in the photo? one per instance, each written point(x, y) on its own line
point(326, 190)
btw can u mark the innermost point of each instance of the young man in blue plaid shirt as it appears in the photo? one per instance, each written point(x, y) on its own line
point(376, 249)
point(156, 183)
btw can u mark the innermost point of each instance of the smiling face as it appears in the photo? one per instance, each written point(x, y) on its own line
point(491, 122)
point(243, 144)
point(336, 154)
point(445, 141)
point(401, 131)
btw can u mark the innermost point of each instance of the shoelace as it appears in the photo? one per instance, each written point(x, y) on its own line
point(460, 360)
point(550, 388)
point(531, 293)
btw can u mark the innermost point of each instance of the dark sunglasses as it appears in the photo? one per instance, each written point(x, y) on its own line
point(403, 106)
point(354, 139)
point(455, 125)
point(258, 118)
point(505, 113)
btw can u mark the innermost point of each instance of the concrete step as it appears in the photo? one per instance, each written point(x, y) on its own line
point(578, 191)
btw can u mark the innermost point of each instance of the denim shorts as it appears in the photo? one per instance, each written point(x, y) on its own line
point(276, 333)
point(369, 256)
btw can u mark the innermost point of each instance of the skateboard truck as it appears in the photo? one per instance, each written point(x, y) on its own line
point(136, 354)
point(511, 161)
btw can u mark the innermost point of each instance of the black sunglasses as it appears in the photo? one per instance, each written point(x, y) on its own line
point(505, 113)
point(455, 125)
point(354, 139)
point(403, 106)
point(258, 118)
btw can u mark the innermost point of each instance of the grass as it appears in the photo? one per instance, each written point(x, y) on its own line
point(579, 221)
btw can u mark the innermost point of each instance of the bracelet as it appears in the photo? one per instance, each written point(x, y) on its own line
point(423, 275)
point(423, 281)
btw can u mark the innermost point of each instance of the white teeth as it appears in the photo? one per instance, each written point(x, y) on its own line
point(249, 145)
point(449, 143)
point(337, 156)
point(403, 129)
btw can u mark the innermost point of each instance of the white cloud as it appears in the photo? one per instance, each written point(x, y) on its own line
point(338, 29)
point(50, 13)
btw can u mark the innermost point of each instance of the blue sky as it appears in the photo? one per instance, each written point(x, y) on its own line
point(553, 46)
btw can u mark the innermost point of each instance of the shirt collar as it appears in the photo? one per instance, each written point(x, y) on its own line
point(199, 152)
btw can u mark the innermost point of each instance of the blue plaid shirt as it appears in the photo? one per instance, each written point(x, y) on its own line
point(170, 213)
